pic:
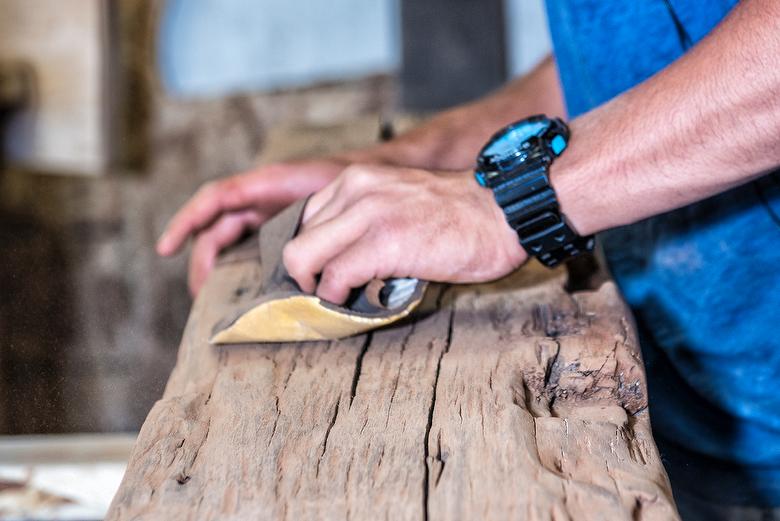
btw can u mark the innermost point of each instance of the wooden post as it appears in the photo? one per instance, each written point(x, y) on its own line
point(515, 399)
point(454, 51)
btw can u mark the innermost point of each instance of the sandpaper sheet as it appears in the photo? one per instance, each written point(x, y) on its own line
point(281, 312)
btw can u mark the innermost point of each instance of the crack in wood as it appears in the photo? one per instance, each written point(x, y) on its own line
point(184, 476)
point(553, 321)
point(397, 378)
point(553, 370)
point(442, 457)
point(276, 421)
point(426, 450)
point(294, 365)
point(628, 434)
point(327, 435)
point(347, 480)
point(359, 367)
point(542, 460)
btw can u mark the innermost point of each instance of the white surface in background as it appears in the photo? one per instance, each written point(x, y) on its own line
point(64, 477)
point(90, 488)
point(217, 47)
point(528, 36)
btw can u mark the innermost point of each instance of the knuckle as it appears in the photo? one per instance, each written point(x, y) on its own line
point(358, 175)
point(291, 259)
point(350, 181)
point(230, 187)
point(222, 191)
point(333, 273)
point(351, 172)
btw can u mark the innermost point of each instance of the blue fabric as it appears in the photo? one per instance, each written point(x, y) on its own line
point(703, 281)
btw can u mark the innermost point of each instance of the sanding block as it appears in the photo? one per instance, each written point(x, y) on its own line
point(281, 312)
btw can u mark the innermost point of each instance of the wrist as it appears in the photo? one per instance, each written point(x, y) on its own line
point(575, 204)
point(507, 242)
point(576, 178)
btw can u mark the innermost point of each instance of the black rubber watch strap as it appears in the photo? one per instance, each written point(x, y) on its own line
point(517, 172)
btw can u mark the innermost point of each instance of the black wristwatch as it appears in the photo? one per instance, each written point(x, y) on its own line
point(515, 165)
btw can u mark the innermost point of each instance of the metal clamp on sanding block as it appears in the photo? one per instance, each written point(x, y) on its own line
point(281, 312)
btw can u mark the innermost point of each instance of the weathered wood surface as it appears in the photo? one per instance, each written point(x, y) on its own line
point(513, 400)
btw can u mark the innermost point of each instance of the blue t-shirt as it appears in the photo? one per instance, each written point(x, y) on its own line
point(703, 281)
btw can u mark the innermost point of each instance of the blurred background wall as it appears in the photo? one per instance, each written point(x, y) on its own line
point(178, 93)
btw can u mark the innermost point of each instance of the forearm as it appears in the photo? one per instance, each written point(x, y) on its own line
point(707, 123)
point(452, 139)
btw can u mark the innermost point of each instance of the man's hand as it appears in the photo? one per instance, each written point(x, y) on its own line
point(381, 222)
point(221, 211)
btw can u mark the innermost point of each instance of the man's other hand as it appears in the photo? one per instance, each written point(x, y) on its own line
point(221, 211)
point(382, 221)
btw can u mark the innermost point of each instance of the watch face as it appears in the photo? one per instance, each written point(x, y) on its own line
point(509, 143)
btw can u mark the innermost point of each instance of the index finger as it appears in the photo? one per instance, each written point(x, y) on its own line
point(305, 255)
point(202, 209)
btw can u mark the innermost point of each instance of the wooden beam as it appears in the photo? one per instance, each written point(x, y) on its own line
point(515, 399)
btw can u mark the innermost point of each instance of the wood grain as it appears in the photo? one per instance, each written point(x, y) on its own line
point(512, 400)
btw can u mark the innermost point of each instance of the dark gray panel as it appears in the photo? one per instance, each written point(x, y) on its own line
point(453, 51)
